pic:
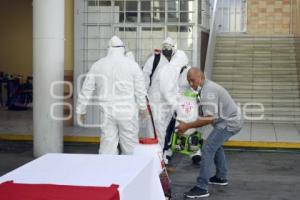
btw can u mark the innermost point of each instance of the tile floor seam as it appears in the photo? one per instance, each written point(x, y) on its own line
point(275, 132)
point(298, 129)
point(251, 137)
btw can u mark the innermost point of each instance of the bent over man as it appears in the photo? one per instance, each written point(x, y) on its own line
point(217, 108)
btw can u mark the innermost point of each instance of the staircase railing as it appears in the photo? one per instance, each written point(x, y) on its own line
point(211, 41)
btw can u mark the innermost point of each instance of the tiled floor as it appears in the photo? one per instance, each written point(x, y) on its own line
point(269, 133)
point(20, 122)
point(263, 132)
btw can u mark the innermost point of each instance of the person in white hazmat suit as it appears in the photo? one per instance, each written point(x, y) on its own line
point(172, 93)
point(120, 90)
point(163, 85)
point(151, 70)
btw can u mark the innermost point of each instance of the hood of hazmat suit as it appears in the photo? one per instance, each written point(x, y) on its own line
point(168, 47)
point(169, 41)
point(115, 42)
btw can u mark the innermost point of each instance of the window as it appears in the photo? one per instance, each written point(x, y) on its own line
point(99, 3)
point(131, 13)
point(187, 11)
point(173, 5)
point(142, 24)
point(232, 15)
point(119, 10)
point(146, 11)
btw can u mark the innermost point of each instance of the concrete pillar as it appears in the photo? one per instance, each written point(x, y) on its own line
point(48, 68)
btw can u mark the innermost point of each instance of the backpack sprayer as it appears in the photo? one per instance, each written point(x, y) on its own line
point(187, 144)
point(191, 141)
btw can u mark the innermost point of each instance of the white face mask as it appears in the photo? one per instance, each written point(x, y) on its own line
point(197, 90)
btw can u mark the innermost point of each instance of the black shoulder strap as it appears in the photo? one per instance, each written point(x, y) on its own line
point(155, 63)
point(182, 69)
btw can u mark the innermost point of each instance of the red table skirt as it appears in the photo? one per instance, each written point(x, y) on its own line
point(17, 191)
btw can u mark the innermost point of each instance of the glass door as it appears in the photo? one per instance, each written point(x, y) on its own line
point(232, 16)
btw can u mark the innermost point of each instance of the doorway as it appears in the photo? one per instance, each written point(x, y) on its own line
point(232, 16)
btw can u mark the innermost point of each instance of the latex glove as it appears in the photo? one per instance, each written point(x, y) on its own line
point(143, 114)
point(81, 119)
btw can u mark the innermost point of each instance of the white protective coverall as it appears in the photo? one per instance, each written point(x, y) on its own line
point(120, 90)
point(183, 83)
point(146, 129)
point(130, 55)
point(163, 94)
point(147, 70)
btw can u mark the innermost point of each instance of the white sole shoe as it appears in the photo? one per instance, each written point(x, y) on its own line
point(214, 183)
point(196, 197)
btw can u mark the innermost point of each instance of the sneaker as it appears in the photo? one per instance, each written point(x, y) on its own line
point(166, 161)
point(196, 157)
point(196, 192)
point(217, 181)
point(167, 155)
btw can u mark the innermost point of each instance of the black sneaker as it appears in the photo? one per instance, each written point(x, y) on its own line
point(196, 192)
point(217, 181)
point(196, 159)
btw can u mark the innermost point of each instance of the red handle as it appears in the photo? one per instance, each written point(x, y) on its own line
point(151, 116)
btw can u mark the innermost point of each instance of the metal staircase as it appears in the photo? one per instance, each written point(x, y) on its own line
point(260, 69)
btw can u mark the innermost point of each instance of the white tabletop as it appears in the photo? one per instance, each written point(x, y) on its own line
point(135, 175)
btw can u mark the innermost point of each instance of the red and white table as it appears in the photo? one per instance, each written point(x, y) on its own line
point(136, 175)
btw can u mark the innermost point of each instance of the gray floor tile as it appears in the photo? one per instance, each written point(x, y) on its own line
point(244, 134)
point(287, 133)
point(79, 131)
point(263, 132)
